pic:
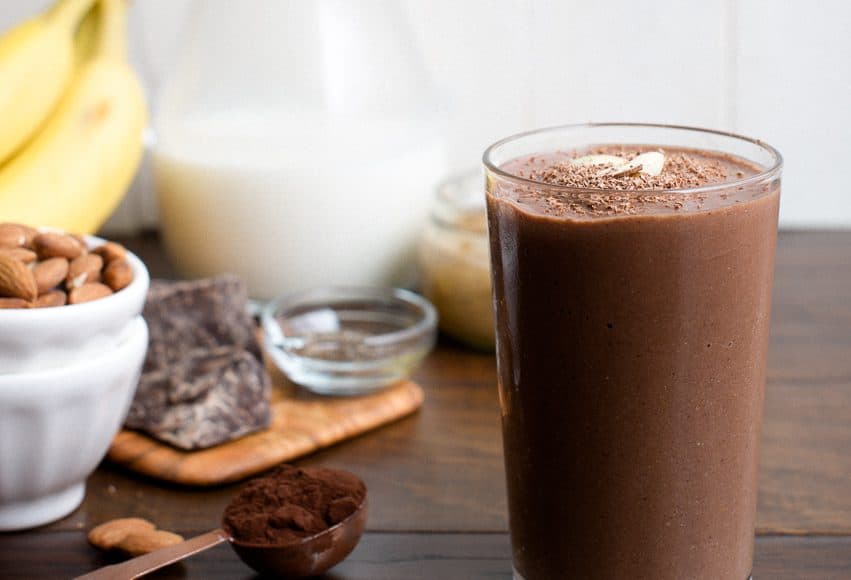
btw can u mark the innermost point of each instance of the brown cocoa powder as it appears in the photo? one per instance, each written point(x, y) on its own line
point(292, 503)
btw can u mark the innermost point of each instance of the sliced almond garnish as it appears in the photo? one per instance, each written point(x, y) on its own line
point(613, 160)
point(628, 169)
point(651, 162)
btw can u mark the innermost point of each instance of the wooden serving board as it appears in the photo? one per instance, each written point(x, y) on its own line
point(301, 423)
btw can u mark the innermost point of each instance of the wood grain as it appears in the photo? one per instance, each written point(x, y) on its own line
point(805, 467)
point(436, 479)
point(301, 424)
point(441, 469)
point(404, 557)
point(805, 464)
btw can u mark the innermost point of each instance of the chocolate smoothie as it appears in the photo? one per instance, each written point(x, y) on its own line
point(632, 327)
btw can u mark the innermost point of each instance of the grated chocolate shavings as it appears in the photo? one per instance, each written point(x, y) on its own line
point(681, 171)
point(621, 192)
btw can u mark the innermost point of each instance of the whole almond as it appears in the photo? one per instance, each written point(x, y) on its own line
point(51, 299)
point(107, 535)
point(110, 251)
point(13, 303)
point(56, 245)
point(83, 270)
point(143, 542)
point(50, 273)
point(117, 274)
point(16, 280)
point(31, 233)
point(12, 236)
point(88, 292)
point(82, 241)
point(21, 254)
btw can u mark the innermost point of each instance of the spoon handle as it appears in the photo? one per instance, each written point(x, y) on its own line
point(142, 565)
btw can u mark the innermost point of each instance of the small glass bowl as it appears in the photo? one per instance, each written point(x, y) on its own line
point(348, 340)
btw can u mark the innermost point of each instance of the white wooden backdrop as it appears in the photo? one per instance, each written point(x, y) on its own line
point(779, 70)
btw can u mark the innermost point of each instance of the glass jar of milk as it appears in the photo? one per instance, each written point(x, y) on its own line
point(296, 145)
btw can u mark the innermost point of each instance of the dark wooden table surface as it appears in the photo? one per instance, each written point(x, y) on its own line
point(436, 484)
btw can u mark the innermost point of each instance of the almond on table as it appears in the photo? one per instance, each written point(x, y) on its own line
point(133, 536)
point(138, 543)
point(108, 534)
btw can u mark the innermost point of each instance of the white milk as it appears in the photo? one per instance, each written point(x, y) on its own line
point(293, 203)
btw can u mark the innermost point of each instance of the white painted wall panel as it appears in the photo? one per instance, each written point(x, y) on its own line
point(653, 61)
point(477, 54)
point(775, 69)
point(793, 89)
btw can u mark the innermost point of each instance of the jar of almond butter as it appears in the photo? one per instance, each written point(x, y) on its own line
point(455, 264)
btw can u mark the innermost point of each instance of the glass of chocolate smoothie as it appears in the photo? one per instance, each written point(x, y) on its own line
point(632, 272)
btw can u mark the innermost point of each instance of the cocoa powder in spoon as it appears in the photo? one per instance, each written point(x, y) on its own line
point(291, 504)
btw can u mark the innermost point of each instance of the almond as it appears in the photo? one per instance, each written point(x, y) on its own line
point(13, 303)
point(83, 270)
point(88, 292)
point(31, 233)
point(12, 236)
point(21, 254)
point(53, 245)
point(651, 162)
point(118, 274)
point(107, 535)
point(82, 241)
point(16, 280)
point(630, 168)
point(50, 273)
point(143, 542)
point(110, 251)
point(612, 160)
point(51, 299)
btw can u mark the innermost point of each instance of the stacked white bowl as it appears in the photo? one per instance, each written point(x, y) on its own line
point(67, 378)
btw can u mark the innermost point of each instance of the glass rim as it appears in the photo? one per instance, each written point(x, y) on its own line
point(769, 172)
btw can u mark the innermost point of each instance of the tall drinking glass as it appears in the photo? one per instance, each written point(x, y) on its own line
point(632, 331)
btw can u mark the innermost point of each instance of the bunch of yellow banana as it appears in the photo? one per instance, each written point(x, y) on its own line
point(72, 115)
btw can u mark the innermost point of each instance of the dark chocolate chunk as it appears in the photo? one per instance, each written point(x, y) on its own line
point(207, 313)
point(205, 399)
point(204, 381)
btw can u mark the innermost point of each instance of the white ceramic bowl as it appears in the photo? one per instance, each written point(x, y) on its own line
point(43, 338)
point(56, 425)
